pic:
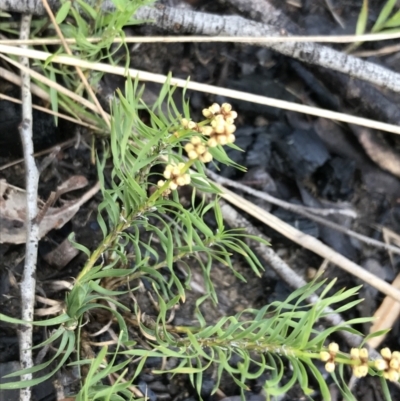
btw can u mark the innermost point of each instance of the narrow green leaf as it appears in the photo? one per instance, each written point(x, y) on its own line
point(383, 15)
point(362, 19)
point(394, 21)
point(63, 12)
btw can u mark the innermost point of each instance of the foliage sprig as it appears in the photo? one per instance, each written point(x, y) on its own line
point(153, 152)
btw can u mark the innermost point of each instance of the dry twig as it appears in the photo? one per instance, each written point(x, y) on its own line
point(85, 82)
point(309, 242)
point(369, 37)
point(303, 211)
point(179, 19)
point(236, 220)
point(210, 89)
point(28, 282)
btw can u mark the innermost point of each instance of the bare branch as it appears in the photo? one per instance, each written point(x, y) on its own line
point(236, 220)
point(32, 228)
point(183, 20)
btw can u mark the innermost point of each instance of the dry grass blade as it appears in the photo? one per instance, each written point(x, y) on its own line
point(304, 211)
point(52, 84)
point(386, 315)
point(70, 142)
point(234, 219)
point(89, 89)
point(309, 242)
point(374, 37)
point(389, 310)
point(16, 80)
point(48, 111)
point(210, 89)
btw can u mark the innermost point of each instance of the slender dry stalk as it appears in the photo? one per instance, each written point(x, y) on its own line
point(28, 282)
point(236, 220)
point(53, 113)
point(210, 89)
point(371, 37)
point(303, 211)
point(81, 75)
point(183, 20)
point(309, 242)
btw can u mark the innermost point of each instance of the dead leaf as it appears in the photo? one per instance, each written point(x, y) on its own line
point(13, 210)
point(389, 310)
point(62, 255)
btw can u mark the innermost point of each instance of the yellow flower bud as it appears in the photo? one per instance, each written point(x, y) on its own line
point(381, 364)
point(222, 140)
point(230, 138)
point(229, 120)
point(230, 129)
point(226, 107)
point(394, 363)
point(355, 353)
point(219, 129)
point(212, 142)
point(325, 356)
point(333, 348)
point(396, 355)
point(192, 155)
point(330, 367)
point(207, 130)
point(196, 140)
point(364, 353)
point(186, 177)
point(393, 375)
point(191, 125)
point(184, 122)
point(200, 149)
point(206, 157)
point(233, 114)
point(160, 183)
point(386, 353)
point(176, 171)
point(173, 185)
point(180, 181)
point(207, 113)
point(189, 147)
point(167, 174)
point(360, 371)
point(215, 108)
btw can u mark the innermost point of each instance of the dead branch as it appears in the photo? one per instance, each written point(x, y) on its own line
point(28, 282)
point(309, 242)
point(183, 20)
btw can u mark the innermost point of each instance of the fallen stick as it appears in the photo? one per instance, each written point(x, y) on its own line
point(236, 220)
point(303, 211)
point(210, 89)
point(28, 282)
point(309, 242)
point(183, 20)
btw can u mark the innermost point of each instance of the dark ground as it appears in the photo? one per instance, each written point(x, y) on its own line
point(294, 157)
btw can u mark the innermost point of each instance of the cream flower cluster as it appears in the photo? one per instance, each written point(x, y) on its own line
point(390, 364)
point(329, 357)
point(197, 150)
point(173, 172)
point(222, 125)
point(360, 356)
